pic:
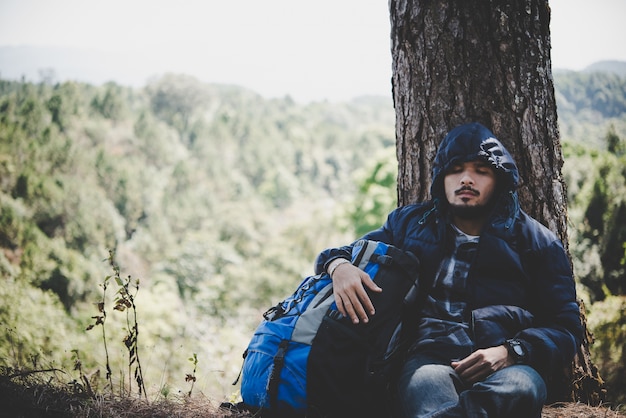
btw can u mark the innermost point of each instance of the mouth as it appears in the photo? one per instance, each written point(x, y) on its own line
point(466, 192)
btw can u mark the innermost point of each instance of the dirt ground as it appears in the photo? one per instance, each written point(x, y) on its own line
point(575, 410)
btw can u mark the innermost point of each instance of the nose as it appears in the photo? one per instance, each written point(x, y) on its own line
point(466, 178)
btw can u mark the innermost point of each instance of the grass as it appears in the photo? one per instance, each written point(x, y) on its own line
point(41, 394)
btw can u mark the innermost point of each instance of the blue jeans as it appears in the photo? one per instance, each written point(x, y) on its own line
point(428, 389)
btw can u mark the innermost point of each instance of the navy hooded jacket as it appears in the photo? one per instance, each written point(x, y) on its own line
point(519, 263)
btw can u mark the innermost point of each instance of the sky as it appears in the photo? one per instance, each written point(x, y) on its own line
point(310, 50)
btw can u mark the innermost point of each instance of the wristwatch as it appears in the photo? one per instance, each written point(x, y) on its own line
point(516, 349)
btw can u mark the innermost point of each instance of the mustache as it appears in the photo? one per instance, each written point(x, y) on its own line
point(466, 189)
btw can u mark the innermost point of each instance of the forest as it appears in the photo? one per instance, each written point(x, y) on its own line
point(145, 231)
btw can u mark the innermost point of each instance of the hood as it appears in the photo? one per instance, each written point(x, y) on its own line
point(471, 142)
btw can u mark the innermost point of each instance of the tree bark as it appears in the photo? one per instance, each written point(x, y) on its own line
point(488, 61)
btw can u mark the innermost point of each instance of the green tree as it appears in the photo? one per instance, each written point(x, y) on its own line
point(375, 196)
point(597, 184)
point(110, 103)
point(176, 99)
point(615, 145)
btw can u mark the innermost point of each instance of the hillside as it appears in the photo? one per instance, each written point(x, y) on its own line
point(214, 202)
point(214, 198)
point(609, 67)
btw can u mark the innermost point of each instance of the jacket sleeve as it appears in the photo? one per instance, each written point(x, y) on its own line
point(494, 324)
point(383, 234)
point(554, 339)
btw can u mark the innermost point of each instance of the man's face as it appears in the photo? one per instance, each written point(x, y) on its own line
point(469, 187)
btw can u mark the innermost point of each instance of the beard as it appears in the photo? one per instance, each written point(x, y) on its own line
point(470, 212)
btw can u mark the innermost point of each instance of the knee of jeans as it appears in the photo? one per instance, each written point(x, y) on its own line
point(431, 374)
point(527, 383)
point(426, 388)
point(535, 388)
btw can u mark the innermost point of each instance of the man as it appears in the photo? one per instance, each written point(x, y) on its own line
point(501, 318)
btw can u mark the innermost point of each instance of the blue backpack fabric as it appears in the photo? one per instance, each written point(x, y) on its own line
point(306, 359)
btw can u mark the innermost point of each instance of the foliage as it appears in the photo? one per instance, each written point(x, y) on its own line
point(124, 301)
point(597, 186)
point(374, 198)
point(608, 321)
point(600, 93)
point(204, 192)
point(588, 105)
point(596, 182)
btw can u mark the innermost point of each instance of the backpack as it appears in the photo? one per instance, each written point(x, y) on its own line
point(306, 359)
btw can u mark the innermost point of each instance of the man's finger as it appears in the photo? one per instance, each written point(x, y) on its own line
point(349, 310)
point(365, 302)
point(371, 285)
point(357, 304)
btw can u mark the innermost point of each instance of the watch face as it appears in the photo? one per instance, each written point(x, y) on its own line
point(516, 349)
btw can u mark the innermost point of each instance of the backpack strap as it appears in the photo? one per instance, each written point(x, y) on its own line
point(274, 380)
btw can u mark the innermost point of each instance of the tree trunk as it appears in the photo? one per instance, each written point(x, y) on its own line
point(488, 61)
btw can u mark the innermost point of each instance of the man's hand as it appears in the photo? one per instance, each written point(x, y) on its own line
point(349, 283)
point(481, 363)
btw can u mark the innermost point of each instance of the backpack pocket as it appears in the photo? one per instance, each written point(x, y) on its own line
point(276, 374)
